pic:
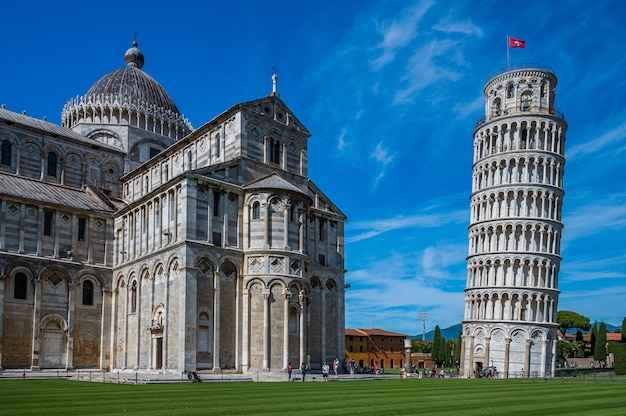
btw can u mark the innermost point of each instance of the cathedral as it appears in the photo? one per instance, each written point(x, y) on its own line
point(130, 240)
point(511, 293)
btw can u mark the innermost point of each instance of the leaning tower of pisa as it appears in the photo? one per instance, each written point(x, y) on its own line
point(511, 293)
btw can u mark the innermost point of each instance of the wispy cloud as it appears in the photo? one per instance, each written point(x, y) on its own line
point(596, 218)
point(609, 139)
point(436, 261)
point(382, 154)
point(423, 69)
point(465, 27)
point(398, 33)
point(369, 229)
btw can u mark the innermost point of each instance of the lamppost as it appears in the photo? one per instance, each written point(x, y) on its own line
point(423, 315)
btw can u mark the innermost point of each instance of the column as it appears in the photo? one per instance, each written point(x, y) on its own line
point(21, 232)
point(63, 171)
point(266, 328)
point(487, 350)
point(107, 300)
point(224, 201)
point(287, 295)
point(40, 223)
point(88, 227)
point(216, 319)
point(238, 317)
point(507, 353)
point(138, 319)
point(301, 223)
point(302, 300)
point(175, 194)
point(3, 278)
point(71, 305)
point(245, 212)
point(286, 211)
point(266, 224)
point(527, 359)
point(471, 357)
point(245, 325)
point(209, 230)
point(323, 291)
point(3, 213)
point(544, 350)
point(18, 170)
point(36, 320)
point(553, 364)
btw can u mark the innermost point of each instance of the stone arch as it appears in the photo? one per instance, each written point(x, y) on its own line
point(53, 331)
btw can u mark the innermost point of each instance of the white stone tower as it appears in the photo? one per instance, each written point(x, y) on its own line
point(515, 228)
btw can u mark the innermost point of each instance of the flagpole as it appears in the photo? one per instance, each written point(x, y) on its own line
point(508, 53)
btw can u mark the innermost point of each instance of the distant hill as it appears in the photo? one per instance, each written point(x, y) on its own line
point(609, 328)
point(453, 331)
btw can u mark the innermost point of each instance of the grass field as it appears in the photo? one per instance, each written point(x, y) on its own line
point(375, 397)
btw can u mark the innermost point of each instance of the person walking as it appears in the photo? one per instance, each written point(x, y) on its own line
point(289, 369)
point(352, 366)
point(336, 366)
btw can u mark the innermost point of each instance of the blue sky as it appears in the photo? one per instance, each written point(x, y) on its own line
point(390, 91)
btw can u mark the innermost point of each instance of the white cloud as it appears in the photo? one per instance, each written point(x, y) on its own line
point(594, 145)
point(376, 227)
point(381, 154)
point(436, 261)
point(595, 219)
point(398, 33)
point(466, 27)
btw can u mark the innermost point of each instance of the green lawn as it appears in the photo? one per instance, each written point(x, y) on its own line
point(375, 397)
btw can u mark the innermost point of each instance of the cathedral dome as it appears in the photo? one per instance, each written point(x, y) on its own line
point(127, 96)
point(133, 84)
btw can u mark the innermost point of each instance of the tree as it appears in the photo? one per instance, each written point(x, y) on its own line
point(421, 346)
point(568, 320)
point(624, 330)
point(438, 347)
point(599, 352)
point(450, 347)
point(457, 351)
point(580, 345)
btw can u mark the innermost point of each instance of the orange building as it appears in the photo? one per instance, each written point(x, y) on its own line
point(368, 347)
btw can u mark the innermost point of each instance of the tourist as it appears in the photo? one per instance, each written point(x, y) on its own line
point(304, 369)
point(352, 366)
point(336, 366)
point(325, 371)
point(289, 372)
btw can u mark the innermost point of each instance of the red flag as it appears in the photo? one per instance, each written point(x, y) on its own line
point(516, 43)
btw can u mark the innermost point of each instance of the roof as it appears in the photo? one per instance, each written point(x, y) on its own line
point(50, 128)
point(372, 332)
point(133, 84)
point(273, 181)
point(47, 193)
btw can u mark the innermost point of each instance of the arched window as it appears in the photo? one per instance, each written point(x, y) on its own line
point(256, 210)
point(510, 90)
point(52, 164)
point(87, 292)
point(133, 297)
point(5, 152)
point(274, 151)
point(218, 147)
point(20, 286)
